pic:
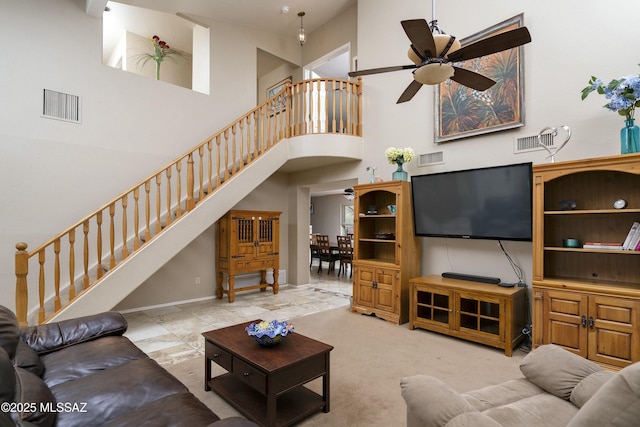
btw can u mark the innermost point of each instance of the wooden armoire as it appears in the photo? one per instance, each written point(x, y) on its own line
point(247, 242)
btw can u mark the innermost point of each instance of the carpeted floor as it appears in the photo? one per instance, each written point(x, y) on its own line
point(370, 357)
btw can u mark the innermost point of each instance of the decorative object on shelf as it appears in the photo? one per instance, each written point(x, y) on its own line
point(392, 209)
point(554, 132)
point(399, 156)
point(567, 205)
point(373, 210)
point(629, 138)
point(372, 169)
point(624, 96)
point(620, 204)
point(161, 51)
point(571, 243)
point(269, 333)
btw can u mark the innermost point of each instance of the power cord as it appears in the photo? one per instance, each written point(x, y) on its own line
point(514, 266)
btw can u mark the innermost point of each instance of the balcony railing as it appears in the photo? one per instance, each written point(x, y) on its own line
point(82, 255)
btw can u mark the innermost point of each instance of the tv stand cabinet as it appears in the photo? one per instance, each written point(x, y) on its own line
point(480, 312)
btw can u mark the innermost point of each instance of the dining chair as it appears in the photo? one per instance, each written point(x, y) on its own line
point(345, 255)
point(315, 253)
point(326, 253)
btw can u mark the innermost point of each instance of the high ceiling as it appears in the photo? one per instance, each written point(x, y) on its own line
point(260, 14)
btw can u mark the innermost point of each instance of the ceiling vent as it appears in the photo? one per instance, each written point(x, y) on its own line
point(530, 143)
point(61, 106)
point(429, 159)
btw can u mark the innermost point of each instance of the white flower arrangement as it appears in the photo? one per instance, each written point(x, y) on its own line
point(402, 155)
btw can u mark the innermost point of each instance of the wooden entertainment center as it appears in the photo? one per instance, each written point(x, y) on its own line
point(479, 312)
point(587, 300)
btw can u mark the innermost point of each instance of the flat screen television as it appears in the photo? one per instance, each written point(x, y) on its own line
point(485, 203)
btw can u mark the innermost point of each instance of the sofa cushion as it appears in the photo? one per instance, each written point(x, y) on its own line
point(34, 396)
point(111, 393)
point(501, 394)
point(542, 409)
point(556, 370)
point(54, 336)
point(176, 410)
point(615, 404)
point(9, 331)
point(588, 387)
point(431, 402)
point(83, 359)
point(27, 358)
point(7, 377)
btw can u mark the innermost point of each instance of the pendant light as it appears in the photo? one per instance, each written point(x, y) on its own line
point(301, 36)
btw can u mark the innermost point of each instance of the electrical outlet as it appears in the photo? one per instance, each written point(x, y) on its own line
point(197, 280)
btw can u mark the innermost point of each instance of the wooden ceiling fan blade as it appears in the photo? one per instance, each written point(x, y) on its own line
point(472, 79)
point(421, 38)
point(382, 70)
point(410, 91)
point(497, 43)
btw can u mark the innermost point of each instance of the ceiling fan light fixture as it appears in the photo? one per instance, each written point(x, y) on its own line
point(441, 41)
point(433, 74)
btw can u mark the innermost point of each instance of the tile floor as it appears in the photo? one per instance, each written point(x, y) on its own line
point(172, 334)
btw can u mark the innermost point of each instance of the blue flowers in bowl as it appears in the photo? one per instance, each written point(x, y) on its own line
point(269, 333)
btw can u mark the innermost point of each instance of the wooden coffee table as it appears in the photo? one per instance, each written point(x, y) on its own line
point(266, 384)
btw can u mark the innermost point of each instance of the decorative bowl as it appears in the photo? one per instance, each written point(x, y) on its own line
point(269, 333)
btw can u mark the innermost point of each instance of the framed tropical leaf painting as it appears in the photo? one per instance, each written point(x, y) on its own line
point(461, 112)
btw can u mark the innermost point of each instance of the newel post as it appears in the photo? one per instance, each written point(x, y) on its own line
point(22, 293)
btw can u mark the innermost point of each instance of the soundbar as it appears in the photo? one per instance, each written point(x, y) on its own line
point(471, 277)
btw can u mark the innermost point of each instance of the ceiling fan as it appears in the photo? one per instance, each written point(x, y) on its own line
point(433, 53)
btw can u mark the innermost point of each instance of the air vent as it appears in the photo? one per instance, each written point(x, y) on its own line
point(61, 106)
point(530, 143)
point(429, 159)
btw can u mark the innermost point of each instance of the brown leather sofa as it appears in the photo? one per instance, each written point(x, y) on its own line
point(84, 372)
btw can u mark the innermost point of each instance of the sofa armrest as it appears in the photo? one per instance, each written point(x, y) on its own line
point(55, 336)
point(430, 402)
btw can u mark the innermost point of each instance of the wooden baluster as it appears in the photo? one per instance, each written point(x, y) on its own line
point(306, 93)
point(256, 141)
point(191, 203)
point(158, 202)
point(72, 264)
point(250, 141)
point(56, 275)
point(234, 150)
point(289, 107)
point(136, 218)
point(349, 104)
point(263, 116)
point(22, 292)
point(240, 142)
point(147, 212)
point(343, 93)
point(210, 166)
point(41, 287)
point(334, 95)
point(169, 216)
point(358, 131)
point(179, 189)
point(268, 141)
point(125, 248)
point(218, 171)
point(322, 112)
point(85, 255)
point(99, 269)
point(112, 236)
point(201, 173)
point(226, 155)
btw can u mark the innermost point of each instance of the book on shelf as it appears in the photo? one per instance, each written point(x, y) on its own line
point(635, 239)
point(602, 245)
point(634, 234)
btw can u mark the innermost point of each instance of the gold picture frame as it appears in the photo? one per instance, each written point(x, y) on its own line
point(461, 112)
point(278, 106)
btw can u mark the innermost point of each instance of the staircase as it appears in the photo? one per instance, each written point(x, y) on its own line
point(79, 271)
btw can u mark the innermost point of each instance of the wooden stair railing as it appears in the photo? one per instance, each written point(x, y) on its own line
point(138, 215)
